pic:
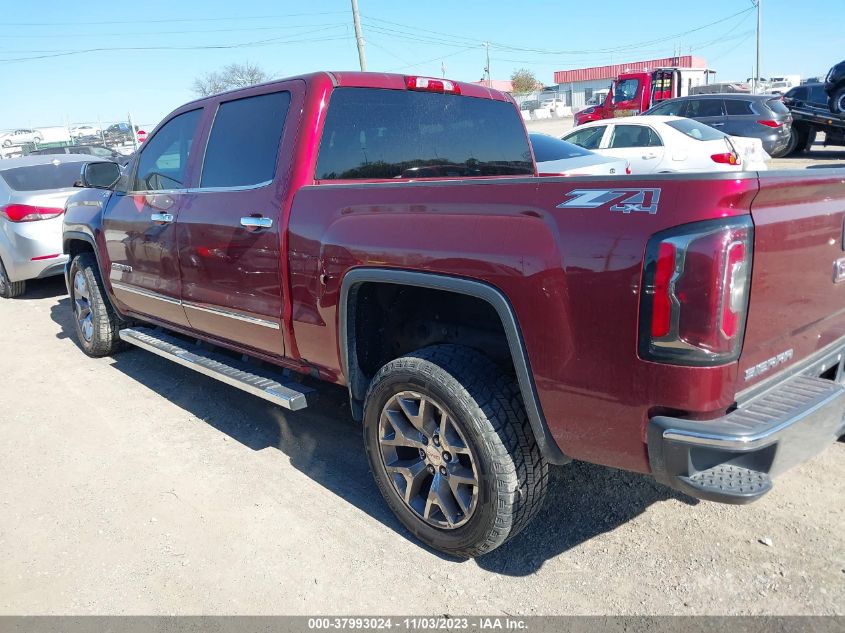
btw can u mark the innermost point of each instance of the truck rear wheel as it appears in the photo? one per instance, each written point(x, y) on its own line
point(96, 322)
point(10, 289)
point(452, 451)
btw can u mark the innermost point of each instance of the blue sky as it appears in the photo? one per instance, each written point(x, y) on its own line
point(148, 53)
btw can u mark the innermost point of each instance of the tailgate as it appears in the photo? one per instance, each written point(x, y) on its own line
point(796, 307)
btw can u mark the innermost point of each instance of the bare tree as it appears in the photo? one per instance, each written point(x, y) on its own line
point(228, 78)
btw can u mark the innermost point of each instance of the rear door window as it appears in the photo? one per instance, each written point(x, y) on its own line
point(243, 146)
point(163, 162)
point(738, 107)
point(588, 138)
point(700, 108)
point(633, 136)
point(375, 134)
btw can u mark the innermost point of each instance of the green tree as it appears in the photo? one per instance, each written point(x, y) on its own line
point(523, 81)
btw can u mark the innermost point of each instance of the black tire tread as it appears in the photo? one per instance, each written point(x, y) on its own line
point(11, 289)
point(499, 420)
point(106, 339)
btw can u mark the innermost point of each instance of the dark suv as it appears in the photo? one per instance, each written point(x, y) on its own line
point(810, 94)
point(834, 85)
point(756, 116)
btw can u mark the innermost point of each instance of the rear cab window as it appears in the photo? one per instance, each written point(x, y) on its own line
point(373, 134)
point(696, 130)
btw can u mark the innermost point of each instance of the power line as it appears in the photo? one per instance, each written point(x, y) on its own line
point(415, 33)
point(155, 33)
point(264, 42)
point(65, 23)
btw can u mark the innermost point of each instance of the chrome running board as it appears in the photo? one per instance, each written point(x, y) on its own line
point(252, 380)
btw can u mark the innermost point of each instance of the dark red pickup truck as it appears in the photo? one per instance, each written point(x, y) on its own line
point(390, 234)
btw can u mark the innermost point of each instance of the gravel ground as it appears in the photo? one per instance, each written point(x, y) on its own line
point(134, 486)
point(820, 157)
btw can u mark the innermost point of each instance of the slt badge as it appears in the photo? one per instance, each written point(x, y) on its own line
point(627, 200)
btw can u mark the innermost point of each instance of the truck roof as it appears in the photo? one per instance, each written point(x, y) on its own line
point(358, 79)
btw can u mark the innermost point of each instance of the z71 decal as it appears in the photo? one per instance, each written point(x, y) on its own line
point(626, 200)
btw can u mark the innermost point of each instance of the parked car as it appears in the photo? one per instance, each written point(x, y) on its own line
point(487, 325)
point(834, 85)
point(558, 158)
point(84, 130)
point(20, 137)
point(100, 151)
point(119, 133)
point(754, 116)
point(664, 144)
point(33, 191)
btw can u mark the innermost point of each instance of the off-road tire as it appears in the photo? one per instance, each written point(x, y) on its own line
point(487, 408)
point(10, 289)
point(106, 323)
point(836, 100)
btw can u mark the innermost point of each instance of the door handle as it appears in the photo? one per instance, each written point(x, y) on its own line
point(717, 125)
point(649, 156)
point(256, 223)
point(162, 218)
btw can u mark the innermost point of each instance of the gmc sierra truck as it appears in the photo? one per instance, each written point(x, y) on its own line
point(390, 234)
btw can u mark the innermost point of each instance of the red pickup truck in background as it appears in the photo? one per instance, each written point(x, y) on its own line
point(390, 234)
point(634, 92)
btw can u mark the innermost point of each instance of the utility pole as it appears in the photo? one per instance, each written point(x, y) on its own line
point(487, 67)
point(358, 37)
point(759, 27)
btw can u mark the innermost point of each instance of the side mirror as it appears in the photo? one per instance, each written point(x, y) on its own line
point(102, 175)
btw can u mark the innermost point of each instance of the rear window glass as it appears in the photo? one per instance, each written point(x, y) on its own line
point(548, 148)
point(372, 134)
point(777, 106)
point(37, 177)
point(738, 107)
point(253, 122)
point(696, 130)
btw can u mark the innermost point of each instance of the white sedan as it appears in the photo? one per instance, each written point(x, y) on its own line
point(666, 144)
point(84, 130)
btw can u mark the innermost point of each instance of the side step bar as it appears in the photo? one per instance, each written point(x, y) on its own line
point(250, 379)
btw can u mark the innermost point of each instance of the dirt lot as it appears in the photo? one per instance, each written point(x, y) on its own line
point(132, 485)
point(820, 157)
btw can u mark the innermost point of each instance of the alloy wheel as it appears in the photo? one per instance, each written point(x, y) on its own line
point(82, 306)
point(429, 463)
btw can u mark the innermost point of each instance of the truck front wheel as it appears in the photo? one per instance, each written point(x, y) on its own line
point(96, 322)
point(452, 451)
point(837, 100)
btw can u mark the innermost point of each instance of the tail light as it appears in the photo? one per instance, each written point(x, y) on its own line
point(770, 123)
point(727, 158)
point(28, 213)
point(429, 84)
point(694, 297)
